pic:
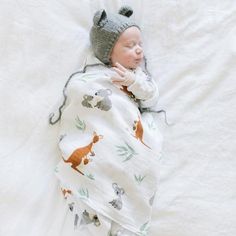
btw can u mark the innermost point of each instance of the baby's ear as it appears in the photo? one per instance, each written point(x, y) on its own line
point(100, 18)
point(126, 11)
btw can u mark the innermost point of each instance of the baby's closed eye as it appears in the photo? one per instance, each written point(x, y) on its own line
point(133, 44)
point(140, 44)
point(130, 45)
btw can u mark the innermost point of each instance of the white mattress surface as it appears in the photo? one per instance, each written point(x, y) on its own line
point(191, 51)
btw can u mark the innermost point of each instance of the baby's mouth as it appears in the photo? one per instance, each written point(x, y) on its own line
point(138, 60)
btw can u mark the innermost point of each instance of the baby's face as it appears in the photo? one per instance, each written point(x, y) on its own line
point(128, 49)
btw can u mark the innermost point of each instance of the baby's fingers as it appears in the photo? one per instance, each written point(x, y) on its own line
point(122, 68)
point(117, 79)
point(118, 71)
point(117, 84)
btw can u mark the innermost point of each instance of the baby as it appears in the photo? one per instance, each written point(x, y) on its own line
point(110, 147)
point(117, 42)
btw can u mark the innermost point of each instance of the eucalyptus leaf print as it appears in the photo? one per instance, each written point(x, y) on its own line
point(90, 176)
point(56, 169)
point(144, 229)
point(152, 199)
point(80, 124)
point(152, 125)
point(126, 151)
point(139, 178)
point(83, 193)
point(62, 136)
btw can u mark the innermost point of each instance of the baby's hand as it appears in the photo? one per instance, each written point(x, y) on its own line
point(124, 77)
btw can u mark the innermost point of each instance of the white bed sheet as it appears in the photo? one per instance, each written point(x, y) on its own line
point(192, 55)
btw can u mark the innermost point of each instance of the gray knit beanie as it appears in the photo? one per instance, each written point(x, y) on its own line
point(106, 30)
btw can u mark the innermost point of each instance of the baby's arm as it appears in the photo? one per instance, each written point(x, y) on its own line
point(138, 83)
point(144, 89)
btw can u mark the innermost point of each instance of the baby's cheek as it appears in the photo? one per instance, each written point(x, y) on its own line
point(126, 56)
point(129, 55)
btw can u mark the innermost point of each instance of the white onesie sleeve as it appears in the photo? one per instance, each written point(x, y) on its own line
point(144, 88)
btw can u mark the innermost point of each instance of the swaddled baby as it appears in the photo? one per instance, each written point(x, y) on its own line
point(110, 150)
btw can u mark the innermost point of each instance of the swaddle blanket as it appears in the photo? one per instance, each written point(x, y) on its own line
point(110, 151)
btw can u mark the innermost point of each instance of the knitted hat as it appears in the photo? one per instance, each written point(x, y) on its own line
point(106, 30)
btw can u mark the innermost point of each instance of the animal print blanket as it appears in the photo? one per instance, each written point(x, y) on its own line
point(110, 152)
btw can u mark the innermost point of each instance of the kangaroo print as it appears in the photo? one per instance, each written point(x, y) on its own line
point(109, 155)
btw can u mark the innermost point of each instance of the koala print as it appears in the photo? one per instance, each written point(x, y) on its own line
point(88, 218)
point(100, 100)
point(117, 203)
point(87, 100)
point(105, 102)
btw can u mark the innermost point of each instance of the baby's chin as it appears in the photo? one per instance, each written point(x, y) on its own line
point(134, 65)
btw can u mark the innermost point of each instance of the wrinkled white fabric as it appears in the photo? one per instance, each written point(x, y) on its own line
point(191, 52)
point(124, 156)
point(86, 221)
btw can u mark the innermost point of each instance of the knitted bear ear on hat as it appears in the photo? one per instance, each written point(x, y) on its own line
point(100, 18)
point(126, 11)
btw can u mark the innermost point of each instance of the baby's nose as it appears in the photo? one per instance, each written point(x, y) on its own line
point(139, 50)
